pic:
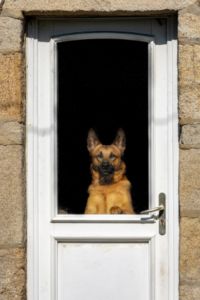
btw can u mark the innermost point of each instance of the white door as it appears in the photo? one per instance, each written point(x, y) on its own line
point(101, 257)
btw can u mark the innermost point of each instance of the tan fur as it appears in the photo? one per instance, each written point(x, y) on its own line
point(114, 198)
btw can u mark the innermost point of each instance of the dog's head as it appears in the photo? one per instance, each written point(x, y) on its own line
point(106, 159)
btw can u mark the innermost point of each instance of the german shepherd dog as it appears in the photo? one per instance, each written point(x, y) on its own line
point(109, 192)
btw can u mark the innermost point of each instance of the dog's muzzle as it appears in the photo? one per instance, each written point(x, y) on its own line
point(106, 171)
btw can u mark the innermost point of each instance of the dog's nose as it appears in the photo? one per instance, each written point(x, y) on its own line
point(105, 164)
point(107, 168)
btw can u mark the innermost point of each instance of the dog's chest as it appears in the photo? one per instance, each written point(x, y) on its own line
point(119, 187)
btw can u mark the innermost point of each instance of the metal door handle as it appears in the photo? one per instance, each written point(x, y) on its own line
point(158, 208)
point(161, 216)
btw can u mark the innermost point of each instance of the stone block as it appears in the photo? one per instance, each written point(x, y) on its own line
point(10, 34)
point(12, 274)
point(191, 291)
point(11, 82)
point(189, 104)
point(96, 5)
point(189, 64)
point(190, 136)
point(11, 133)
point(186, 64)
point(12, 206)
point(11, 13)
point(197, 63)
point(189, 23)
point(190, 181)
point(189, 249)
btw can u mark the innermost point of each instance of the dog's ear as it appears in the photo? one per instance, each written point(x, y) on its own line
point(120, 140)
point(92, 140)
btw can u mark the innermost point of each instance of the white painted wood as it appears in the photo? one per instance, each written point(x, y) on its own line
point(104, 271)
point(173, 174)
point(53, 238)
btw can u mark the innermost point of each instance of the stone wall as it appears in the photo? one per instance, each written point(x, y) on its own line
point(189, 113)
point(12, 119)
point(12, 169)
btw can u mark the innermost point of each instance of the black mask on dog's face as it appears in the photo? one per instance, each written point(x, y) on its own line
point(105, 168)
point(106, 171)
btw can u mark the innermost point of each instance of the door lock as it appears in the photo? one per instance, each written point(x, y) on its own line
point(161, 216)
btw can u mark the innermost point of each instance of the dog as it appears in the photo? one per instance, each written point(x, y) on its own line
point(109, 192)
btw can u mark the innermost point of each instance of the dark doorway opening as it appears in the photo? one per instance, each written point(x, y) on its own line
point(102, 84)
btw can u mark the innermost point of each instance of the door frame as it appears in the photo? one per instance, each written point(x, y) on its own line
point(33, 141)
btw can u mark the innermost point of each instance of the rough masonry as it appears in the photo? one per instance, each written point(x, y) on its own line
point(13, 18)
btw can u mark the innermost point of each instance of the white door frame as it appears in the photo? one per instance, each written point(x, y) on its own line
point(41, 134)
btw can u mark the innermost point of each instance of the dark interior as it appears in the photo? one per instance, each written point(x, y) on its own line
point(102, 84)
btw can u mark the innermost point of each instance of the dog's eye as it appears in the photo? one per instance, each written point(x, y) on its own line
point(112, 157)
point(99, 156)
